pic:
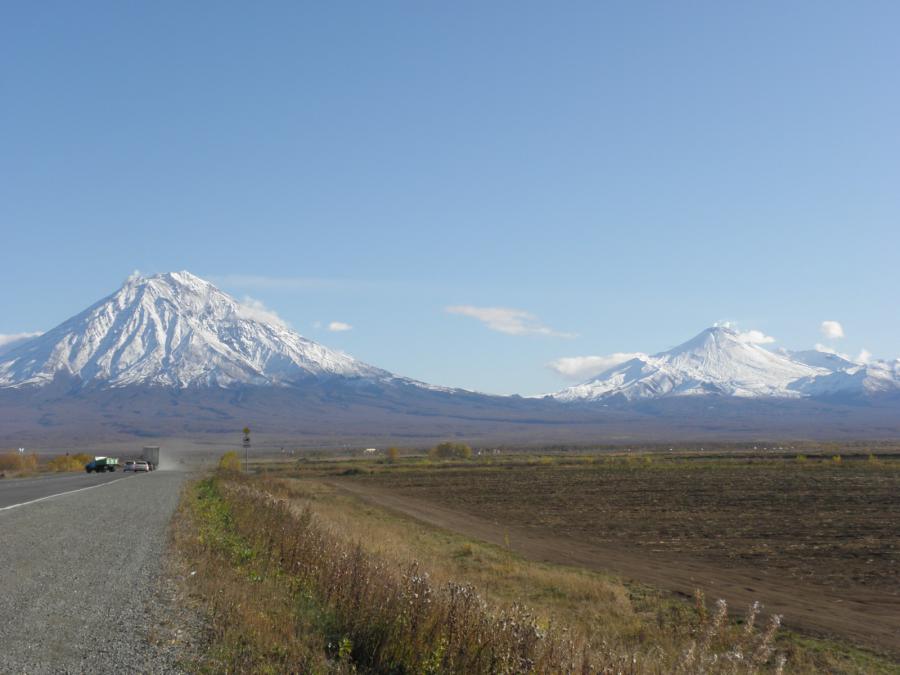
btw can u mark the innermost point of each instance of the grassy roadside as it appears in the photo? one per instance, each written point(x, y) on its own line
point(599, 605)
point(296, 579)
point(256, 621)
point(16, 465)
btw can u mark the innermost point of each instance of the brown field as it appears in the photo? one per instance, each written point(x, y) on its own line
point(817, 541)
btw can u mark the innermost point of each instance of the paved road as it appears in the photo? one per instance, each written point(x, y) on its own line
point(19, 490)
point(80, 573)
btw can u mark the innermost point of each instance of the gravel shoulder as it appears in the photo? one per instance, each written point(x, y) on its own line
point(84, 573)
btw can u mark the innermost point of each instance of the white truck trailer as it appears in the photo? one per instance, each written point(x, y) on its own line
point(150, 454)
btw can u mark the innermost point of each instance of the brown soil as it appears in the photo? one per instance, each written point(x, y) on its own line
point(863, 610)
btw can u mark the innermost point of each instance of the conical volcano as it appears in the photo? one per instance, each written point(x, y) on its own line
point(176, 330)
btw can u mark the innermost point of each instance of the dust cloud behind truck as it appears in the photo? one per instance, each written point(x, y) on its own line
point(150, 454)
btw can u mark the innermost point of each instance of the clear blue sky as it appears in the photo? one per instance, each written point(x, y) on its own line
point(626, 172)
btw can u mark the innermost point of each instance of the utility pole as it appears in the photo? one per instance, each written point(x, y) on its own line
point(246, 449)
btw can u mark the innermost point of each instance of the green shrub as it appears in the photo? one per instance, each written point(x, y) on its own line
point(450, 450)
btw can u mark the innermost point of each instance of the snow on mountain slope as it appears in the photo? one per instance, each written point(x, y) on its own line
point(175, 330)
point(817, 358)
point(871, 379)
point(717, 361)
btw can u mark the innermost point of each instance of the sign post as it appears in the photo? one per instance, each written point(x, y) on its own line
point(246, 449)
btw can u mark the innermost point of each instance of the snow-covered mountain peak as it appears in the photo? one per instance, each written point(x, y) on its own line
point(176, 329)
point(719, 360)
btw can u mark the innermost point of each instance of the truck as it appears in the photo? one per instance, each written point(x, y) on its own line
point(101, 464)
point(150, 454)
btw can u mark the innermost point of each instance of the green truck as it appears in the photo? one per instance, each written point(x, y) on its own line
point(101, 464)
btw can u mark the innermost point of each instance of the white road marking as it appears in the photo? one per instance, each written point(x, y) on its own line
point(60, 494)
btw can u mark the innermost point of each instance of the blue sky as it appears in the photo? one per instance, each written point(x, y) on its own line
point(625, 174)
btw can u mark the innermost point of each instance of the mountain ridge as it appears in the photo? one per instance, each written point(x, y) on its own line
point(720, 361)
point(176, 331)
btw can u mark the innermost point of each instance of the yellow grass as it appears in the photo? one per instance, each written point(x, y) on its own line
point(18, 462)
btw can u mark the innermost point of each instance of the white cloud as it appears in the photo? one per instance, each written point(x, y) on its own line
point(507, 320)
point(756, 337)
point(339, 326)
point(10, 341)
point(832, 330)
point(864, 356)
point(825, 349)
point(8, 338)
point(583, 367)
point(255, 309)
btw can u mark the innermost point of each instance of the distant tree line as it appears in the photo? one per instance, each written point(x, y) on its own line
point(450, 450)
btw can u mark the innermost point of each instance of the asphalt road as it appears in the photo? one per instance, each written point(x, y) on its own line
point(81, 573)
point(20, 490)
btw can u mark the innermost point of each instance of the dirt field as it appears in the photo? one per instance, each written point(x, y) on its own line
point(816, 541)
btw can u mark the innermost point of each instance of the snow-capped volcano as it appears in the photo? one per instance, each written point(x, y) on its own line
point(722, 361)
point(175, 330)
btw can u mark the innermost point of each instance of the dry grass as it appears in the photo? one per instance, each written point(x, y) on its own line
point(291, 587)
point(256, 622)
point(26, 464)
point(67, 463)
point(19, 462)
point(564, 595)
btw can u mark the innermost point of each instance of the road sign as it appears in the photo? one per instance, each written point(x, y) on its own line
point(246, 445)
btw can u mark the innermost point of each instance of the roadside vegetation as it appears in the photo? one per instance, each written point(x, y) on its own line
point(13, 464)
point(288, 586)
point(295, 574)
point(18, 463)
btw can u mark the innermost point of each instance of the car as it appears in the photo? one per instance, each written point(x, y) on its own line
point(129, 465)
point(141, 465)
